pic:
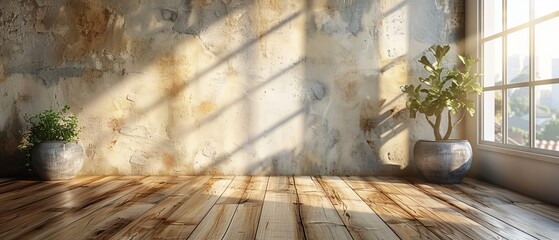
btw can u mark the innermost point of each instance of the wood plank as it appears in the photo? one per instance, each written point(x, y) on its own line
point(182, 222)
point(5, 180)
point(215, 223)
point(21, 203)
point(18, 185)
point(111, 216)
point(85, 208)
point(506, 195)
point(246, 218)
point(32, 203)
point(401, 222)
point(362, 221)
point(461, 222)
point(38, 213)
point(522, 219)
point(29, 190)
point(546, 210)
point(144, 226)
point(280, 217)
point(531, 204)
point(320, 218)
point(433, 218)
point(475, 214)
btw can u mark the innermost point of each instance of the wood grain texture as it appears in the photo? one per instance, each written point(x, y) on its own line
point(262, 207)
point(319, 217)
point(523, 219)
point(144, 226)
point(182, 222)
point(280, 217)
point(358, 217)
point(488, 221)
point(400, 221)
point(245, 221)
point(37, 213)
point(91, 205)
point(215, 223)
point(435, 219)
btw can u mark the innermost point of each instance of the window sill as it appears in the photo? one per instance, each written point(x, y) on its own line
point(520, 153)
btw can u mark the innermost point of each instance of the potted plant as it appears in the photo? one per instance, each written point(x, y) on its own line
point(445, 91)
point(51, 146)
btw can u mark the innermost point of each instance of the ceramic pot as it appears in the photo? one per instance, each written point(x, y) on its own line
point(56, 160)
point(443, 161)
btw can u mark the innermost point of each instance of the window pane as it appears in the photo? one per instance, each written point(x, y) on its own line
point(492, 116)
point(518, 117)
point(518, 50)
point(493, 62)
point(544, 7)
point(547, 49)
point(547, 117)
point(492, 17)
point(518, 12)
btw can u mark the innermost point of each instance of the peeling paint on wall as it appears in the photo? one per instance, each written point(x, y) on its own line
point(223, 87)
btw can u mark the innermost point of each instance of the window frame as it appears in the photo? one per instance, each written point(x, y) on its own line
point(527, 151)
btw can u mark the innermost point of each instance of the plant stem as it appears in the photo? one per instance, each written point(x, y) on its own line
point(437, 127)
point(449, 126)
point(460, 119)
point(429, 121)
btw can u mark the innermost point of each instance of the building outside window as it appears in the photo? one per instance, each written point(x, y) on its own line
point(520, 63)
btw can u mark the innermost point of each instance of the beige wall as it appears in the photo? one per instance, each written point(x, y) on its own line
point(223, 87)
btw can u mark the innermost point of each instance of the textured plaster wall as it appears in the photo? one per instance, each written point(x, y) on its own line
point(223, 87)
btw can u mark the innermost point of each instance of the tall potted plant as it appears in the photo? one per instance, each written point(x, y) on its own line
point(51, 146)
point(445, 91)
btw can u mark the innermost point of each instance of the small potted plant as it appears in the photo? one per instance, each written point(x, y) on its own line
point(445, 91)
point(51, 146)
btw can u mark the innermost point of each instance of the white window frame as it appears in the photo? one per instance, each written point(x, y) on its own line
point(531, 151)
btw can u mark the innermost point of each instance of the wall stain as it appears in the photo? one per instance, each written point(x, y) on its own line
point(116, 124)
point(348, 85)
point(276, 6)
point(173, 71)
point(84, 28)
point(112, 144)
point(202, 3)
point(90, 76)
point(24, 98)
point(205, 108)
point(169, 161)
point(138, 49)
point(2, 71)
point(368, 109)
point(89, 20)
point(267, 14)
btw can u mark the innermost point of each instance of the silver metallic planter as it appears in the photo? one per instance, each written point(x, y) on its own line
point(443, 161)
point(57, 160)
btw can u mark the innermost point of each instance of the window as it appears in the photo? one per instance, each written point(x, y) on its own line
point(520, 63)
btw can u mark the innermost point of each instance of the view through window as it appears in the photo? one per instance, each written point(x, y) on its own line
point(520, 63)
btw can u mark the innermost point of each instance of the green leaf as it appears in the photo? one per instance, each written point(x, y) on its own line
point(462, 59)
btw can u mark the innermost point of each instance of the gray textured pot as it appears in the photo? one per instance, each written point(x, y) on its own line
point(443, 161)
point(57, 160)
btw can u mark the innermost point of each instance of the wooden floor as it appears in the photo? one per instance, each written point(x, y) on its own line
point(243, 207)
